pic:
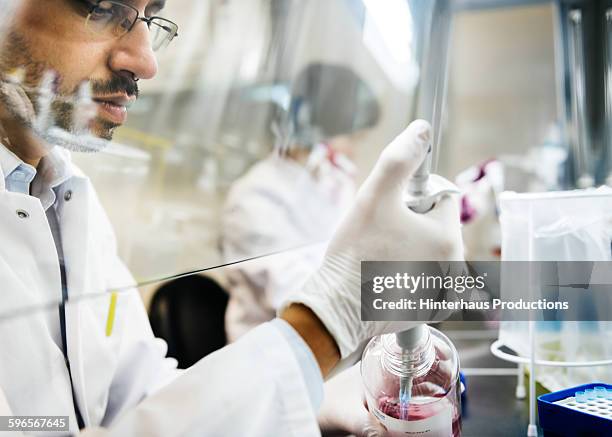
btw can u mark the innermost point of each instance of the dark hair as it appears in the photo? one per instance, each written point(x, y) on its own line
point(329, 100)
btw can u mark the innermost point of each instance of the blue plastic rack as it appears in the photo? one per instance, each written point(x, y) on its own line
point(579, 411)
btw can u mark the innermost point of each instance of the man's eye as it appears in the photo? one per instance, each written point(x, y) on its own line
point(101, 13)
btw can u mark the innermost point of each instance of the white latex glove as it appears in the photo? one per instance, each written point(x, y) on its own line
point(379, 227)
point(344, 408)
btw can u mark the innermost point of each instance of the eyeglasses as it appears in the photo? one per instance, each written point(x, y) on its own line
point(115, 19)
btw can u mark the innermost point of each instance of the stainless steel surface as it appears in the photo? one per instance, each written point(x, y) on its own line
point(463, 5)
point(608, 80)
point(431, 92)
point(490, 407)
point(582, 32)
point(579, 135)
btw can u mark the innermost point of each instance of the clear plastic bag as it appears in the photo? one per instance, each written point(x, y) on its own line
point(560, 226)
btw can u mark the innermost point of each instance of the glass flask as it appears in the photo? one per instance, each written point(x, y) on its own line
point(413, 390)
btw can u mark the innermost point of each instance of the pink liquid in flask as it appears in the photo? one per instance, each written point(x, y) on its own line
point(426, 378)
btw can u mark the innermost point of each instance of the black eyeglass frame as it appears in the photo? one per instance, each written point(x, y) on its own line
point(147, 20)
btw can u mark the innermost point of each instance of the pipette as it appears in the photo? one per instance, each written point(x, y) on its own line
point(424, 191)
point(408, 341)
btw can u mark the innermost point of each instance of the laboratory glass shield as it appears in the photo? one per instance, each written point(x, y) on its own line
point(260, 126)
point(250, 141)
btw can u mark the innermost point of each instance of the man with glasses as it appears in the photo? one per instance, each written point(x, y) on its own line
point(107, 43)
point(93, 357)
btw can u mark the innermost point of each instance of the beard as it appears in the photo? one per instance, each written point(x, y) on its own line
point(21, 100)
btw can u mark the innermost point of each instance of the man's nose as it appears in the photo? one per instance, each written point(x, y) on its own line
point(133, 53)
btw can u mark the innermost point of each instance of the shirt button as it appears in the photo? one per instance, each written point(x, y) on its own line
point(68, 195)
point(22, 214)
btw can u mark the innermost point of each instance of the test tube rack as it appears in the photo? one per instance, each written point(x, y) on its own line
point(585, 410)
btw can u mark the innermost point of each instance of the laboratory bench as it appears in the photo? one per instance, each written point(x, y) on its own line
point(491, 408)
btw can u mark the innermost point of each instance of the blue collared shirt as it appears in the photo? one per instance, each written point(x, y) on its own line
point(42, 183)
point(19, 180)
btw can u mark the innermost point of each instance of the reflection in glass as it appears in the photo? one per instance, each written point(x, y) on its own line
point(296, 195)
point(244, 88)
point(211, 114)
point(219, 105)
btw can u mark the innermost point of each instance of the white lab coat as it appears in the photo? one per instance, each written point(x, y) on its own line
point(254, 387)
point(278, 205)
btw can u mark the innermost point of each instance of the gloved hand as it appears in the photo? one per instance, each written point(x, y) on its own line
point(344, 408)
point(380, 227)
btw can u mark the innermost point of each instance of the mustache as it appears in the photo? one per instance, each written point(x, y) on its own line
point(117, 84)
